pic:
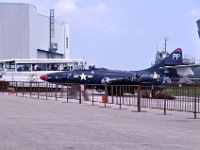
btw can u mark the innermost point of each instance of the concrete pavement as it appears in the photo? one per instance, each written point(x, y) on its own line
point(32, 124)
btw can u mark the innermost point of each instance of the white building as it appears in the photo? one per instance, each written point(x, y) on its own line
point(24, 33)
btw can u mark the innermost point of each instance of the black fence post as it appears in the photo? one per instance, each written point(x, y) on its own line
point(23, 89)
point(112, 94)
point(79, 93)
point(153, 90)
point(120, 98)
point(38, 89)
point(165, 101)
point(67, 93)
point(195, 103)
point(92, 96)
point(4, 87)
point(105, 98)
point(30, 89)
point(61, 91)
point(46, 90)
point(56, 92)
point(138, 98)
point(16, 88)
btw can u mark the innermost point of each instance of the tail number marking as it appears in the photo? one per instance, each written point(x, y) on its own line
point(176, 56)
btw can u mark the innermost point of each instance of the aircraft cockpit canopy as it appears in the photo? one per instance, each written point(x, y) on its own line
point(93, 67)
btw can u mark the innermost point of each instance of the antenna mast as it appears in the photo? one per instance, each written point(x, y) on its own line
point(53, 46)
point(165, 48)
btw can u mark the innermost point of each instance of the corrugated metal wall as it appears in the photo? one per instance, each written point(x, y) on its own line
point(32, 32)
point(23, 31)
point(42, 32)
point(14, 31)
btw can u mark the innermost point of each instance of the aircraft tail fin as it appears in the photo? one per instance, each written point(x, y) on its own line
point(175, 58)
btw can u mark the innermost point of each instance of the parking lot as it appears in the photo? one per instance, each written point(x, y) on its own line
point(36, 124)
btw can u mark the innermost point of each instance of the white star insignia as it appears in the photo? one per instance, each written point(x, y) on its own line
point(83, 76)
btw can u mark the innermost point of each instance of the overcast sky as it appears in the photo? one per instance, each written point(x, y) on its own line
point(125, 34)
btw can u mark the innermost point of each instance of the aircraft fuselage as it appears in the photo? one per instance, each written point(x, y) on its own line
point(102, 76)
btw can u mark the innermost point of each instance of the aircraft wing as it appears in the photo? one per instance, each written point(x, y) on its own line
point(184, 70)
point(107, 80)
point(182, 66)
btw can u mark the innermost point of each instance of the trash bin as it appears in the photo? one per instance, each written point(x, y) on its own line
point(104, 99)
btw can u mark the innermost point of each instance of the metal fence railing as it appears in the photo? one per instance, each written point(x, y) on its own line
point(185, 98)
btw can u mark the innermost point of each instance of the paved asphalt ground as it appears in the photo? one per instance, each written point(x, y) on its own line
point(32, 124)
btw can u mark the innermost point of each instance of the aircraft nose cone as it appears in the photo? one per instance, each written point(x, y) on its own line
point(43, 77)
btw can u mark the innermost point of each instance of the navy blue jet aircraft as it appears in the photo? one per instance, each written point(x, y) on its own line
point(155, 75)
